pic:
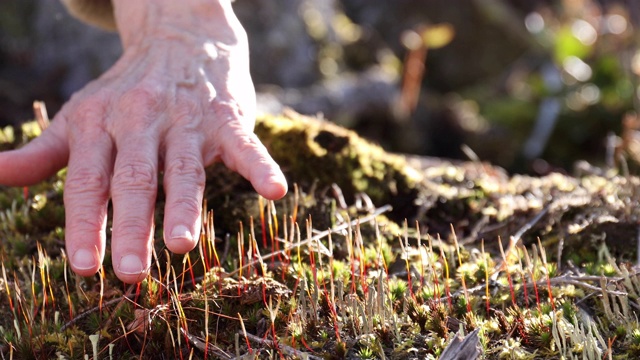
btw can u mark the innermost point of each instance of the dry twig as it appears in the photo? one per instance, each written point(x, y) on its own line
point(288, 350)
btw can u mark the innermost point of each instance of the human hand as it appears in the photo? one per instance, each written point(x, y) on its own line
point(176, 101)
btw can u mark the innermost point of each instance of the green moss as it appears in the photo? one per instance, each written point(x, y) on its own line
point(311, 150)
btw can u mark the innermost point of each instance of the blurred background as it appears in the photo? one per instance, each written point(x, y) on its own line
point(529, 85)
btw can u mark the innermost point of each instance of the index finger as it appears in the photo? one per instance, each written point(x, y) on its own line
point(245, 153)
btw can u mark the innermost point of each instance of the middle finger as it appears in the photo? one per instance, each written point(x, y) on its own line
point(133, 193)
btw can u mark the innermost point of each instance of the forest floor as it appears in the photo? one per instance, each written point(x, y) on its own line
point(371, 256)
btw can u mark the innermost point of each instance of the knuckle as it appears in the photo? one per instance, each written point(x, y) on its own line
point(232, 114)
point(246, 145)
point(185, 168)
point(135, 176)
point(189, 206)
point(84, 222)
point(186, 111)
point(141, 96)
point(142, 104)
point(86, 180)
point(86, 110)
point(226, 108)
point(132, 227)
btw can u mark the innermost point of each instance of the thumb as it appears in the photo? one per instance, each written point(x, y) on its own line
point(37, 160)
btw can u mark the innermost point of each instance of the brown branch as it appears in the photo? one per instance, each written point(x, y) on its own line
point(98, 308)
point(288, 350)
point(205, 347)
point(40, 113)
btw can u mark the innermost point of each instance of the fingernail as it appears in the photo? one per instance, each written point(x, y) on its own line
point(131, 265)
point(83, 259)
point(181, 232)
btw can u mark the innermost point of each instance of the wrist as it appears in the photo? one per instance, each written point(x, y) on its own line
point(183, 20)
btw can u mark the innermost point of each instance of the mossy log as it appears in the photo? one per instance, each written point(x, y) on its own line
point(477, 200)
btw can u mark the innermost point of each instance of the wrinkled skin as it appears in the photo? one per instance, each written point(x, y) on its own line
point(179, 99)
